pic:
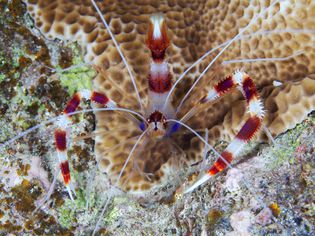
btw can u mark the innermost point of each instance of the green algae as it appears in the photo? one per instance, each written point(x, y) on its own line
point(73, 213)
point(67, 213)
point(13, 61)
point(20, 57)
point(115, 212)
point(20, 120)
point(285, 151)
point(80, 74)
point(22, 107)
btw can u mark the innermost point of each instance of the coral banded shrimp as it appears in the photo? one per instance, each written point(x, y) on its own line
point(139, 164)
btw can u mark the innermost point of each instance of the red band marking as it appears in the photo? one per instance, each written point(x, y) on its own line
point(60, 140)
point(99, 98)
point(220, 165)
point(73, 104)
point(160, 84)
point(249, 128)
point(204, 99)
point(249, 88)
point(223, 86)
point(213, 171)
point(64, 167)
point(158, 46)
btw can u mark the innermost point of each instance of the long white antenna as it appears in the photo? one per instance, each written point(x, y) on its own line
point(241, 37)
point(189, 68)
point(207, 177)
point(8, 142)
point(110, 195)
point(225, 47)
point(249, 60)
point(120, 53)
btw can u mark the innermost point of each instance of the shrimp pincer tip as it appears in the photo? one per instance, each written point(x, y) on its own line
point(199, 182)
point(70, 190)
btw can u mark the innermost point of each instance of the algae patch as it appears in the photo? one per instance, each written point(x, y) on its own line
point(284, 151)
point(78, 76)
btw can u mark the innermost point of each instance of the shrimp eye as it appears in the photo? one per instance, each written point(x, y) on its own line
point(142, 126)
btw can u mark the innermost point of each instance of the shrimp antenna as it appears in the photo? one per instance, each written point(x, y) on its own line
point(52, 120)
point(56, 70)
point(205, 178)
point(249, 60)
point(225, 47)
point(110, 195)
point(241, 37)
point(201, 138)
point(44, 200)
point(120, 53)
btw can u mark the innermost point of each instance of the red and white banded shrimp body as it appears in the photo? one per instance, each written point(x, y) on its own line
point(159, 123)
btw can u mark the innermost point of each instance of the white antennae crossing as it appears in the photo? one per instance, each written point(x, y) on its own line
point(189, 68)
point(110, 195)
point(225, 47)
point(207, 177)
point(12, 140)
point(201, 138)
point(120, 53)
point(241, 37)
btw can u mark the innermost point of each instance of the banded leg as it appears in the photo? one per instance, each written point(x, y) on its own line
point(219, 89)
point(246, 85)
point(60, 135)
point(216, 92)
